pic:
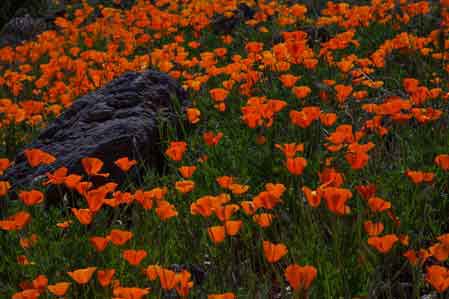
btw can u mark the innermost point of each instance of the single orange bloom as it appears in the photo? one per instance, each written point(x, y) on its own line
point(27, 294)
point(366, 191)
point(296, 165)
point(119, 237)
point(267, 200)
point(193, 115)
point(217, 233)
point(383, 244)
point(301, 91)
point(227, 295)
point(134, 257)
point(165, 210)
point(185, 186)
point(290, 149)
point(211, 139)
point(328, 119)
point(64, 224)
point(438, 277)
point(377, 204)
point(92, 166)
point(343, 92)
point(99, 243)
point(125, 164)
point(187, 171)
point(28, 242)
point(373, 228)
point(152, 272)
point(31, 198)
point(167, 278)
point(176, 150)
point(442, 161)
point(264, 220)
point(84, 216)
point(4, 188)
point(313, 197)
point(300, 277)
point(37, 157)
point(40, 282)
point(59, 289)
point(16, 221)
point(274, 252)
point(232, 227)
point(218, 94)
point(336, 199)
point(58, 177)
point(289, 80)
point(130, 293)
point(104, 277)
point(225, 181)
point(4, 164)
point(418, 177)
point(82, 276)
point(238, 189)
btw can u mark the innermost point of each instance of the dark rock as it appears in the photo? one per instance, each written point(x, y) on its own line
point(222, 24)
point(120, 119)
point(21, 29)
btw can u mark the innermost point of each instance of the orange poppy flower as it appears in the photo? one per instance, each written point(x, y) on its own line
point(225, 181)
point(238, 189)
point(27, 294)
point(58, 177)
point(377, 204)
point(31, 198)
point(218, 94)
point(125, 164)
point(442, 161)
point(217, 233)
point(59, 289)
point(336, 199)
point(383, 244)
point(92, 166)
point(104, 277)
point(187, 171)
point(373, 228)
point(313, 197)
point(152, 272)
point(82, 276)
point(417, 258)
point(290, 149)
point(64, 224)
point(134, 257)
point(357, 160)
point(167, 278)
point(418, 177)
point(289, 80)
point(296, 165)
point(274, 252)
point(211, 139)
point(4, 164)
point(343, 92)
point(301, 91)
point(72, 181)
point(248, 207)
point(232, 227)
point(28, 242)
point(37, 157)
point(99, 243)
point(119, 237)
point(193, 115)
point(267, 200)
point(300, 277)
point(165, 210)
point(441, 250)
point(84, 216)
point(40, 282)
point(366, 191)
point(4, 188)
point(16, 221)
point(227, 295)
point(225, 212)
point(185, 186)
point(176, 150)
point(130, 293)
point(438, 277)
point(328, 119)
point(264, 220)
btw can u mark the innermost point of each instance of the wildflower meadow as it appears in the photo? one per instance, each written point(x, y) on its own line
point(312, 161)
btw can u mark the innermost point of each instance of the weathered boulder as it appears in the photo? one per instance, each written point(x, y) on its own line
point(120, 119)
point(21, 29)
